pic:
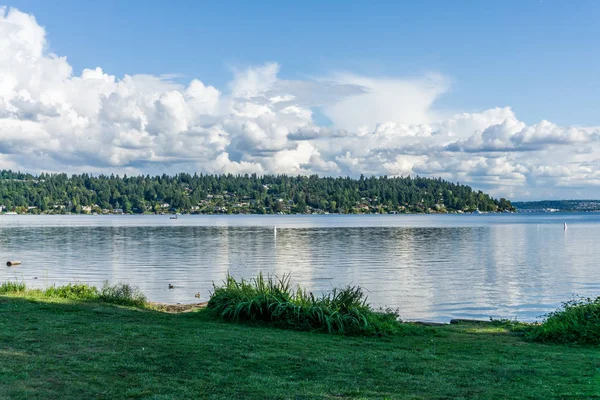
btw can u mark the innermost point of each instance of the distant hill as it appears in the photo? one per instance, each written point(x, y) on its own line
point(247, 194)
point(557, 205)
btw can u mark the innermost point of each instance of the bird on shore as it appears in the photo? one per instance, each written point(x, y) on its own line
point(171, 286)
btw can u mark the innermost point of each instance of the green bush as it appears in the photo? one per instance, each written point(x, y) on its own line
point(12, 287)
point(273, 300)
point(122, 293)
point(73, 292)
point(578, 321)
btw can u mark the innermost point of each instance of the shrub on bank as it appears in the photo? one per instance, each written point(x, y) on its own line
point(123, 294)
point(273, 300)
point(578, 321)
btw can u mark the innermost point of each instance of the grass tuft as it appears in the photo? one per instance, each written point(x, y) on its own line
point(120, 293)
point(73, 292)
point(273, 300)
point(12, 287)
point(578, 321)
point(123, 294)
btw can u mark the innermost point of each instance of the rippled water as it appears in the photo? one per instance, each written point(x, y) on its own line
point(430, 267)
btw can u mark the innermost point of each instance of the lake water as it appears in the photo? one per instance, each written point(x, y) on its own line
point(431, 267)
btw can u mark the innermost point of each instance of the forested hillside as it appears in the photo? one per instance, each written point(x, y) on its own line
point(59, 193)
point(558, 205)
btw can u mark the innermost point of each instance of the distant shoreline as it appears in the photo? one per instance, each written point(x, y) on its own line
point(268, 214)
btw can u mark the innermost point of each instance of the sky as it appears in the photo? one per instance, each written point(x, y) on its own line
point(503, 96)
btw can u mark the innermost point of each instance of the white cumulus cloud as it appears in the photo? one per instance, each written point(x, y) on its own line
point(54, 119)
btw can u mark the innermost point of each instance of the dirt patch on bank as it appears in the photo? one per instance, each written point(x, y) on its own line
point(178, 308)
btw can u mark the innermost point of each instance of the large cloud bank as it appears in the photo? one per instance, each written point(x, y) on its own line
point(52, 119)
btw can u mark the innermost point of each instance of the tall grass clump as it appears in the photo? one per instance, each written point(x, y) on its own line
point(12, 287)
point(577, 321)
point(273, 300)
point(120, 293)
point(71, 291)
point(123, 294)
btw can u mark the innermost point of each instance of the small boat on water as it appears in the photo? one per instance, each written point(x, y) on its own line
point(173, 216)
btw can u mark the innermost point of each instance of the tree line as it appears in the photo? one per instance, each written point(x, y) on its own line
point(184, 192)
point(562, 205)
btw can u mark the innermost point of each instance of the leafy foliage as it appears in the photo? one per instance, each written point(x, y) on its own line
point(273, 300)
point(578, 321)
point(236, 193)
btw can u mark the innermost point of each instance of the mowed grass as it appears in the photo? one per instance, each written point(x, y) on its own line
point(65, 349)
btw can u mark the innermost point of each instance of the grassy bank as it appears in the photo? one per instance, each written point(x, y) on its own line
point(68, 349)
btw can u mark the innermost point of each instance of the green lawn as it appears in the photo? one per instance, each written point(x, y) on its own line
point(75, 350)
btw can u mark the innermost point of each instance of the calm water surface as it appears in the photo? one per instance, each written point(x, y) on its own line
point(430, 267)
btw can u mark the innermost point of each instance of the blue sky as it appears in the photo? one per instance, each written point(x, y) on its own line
point(539, 57)
point(500, 95)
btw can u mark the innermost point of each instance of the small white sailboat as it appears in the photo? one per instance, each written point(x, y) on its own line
point(274, 230)
point(565, 226)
